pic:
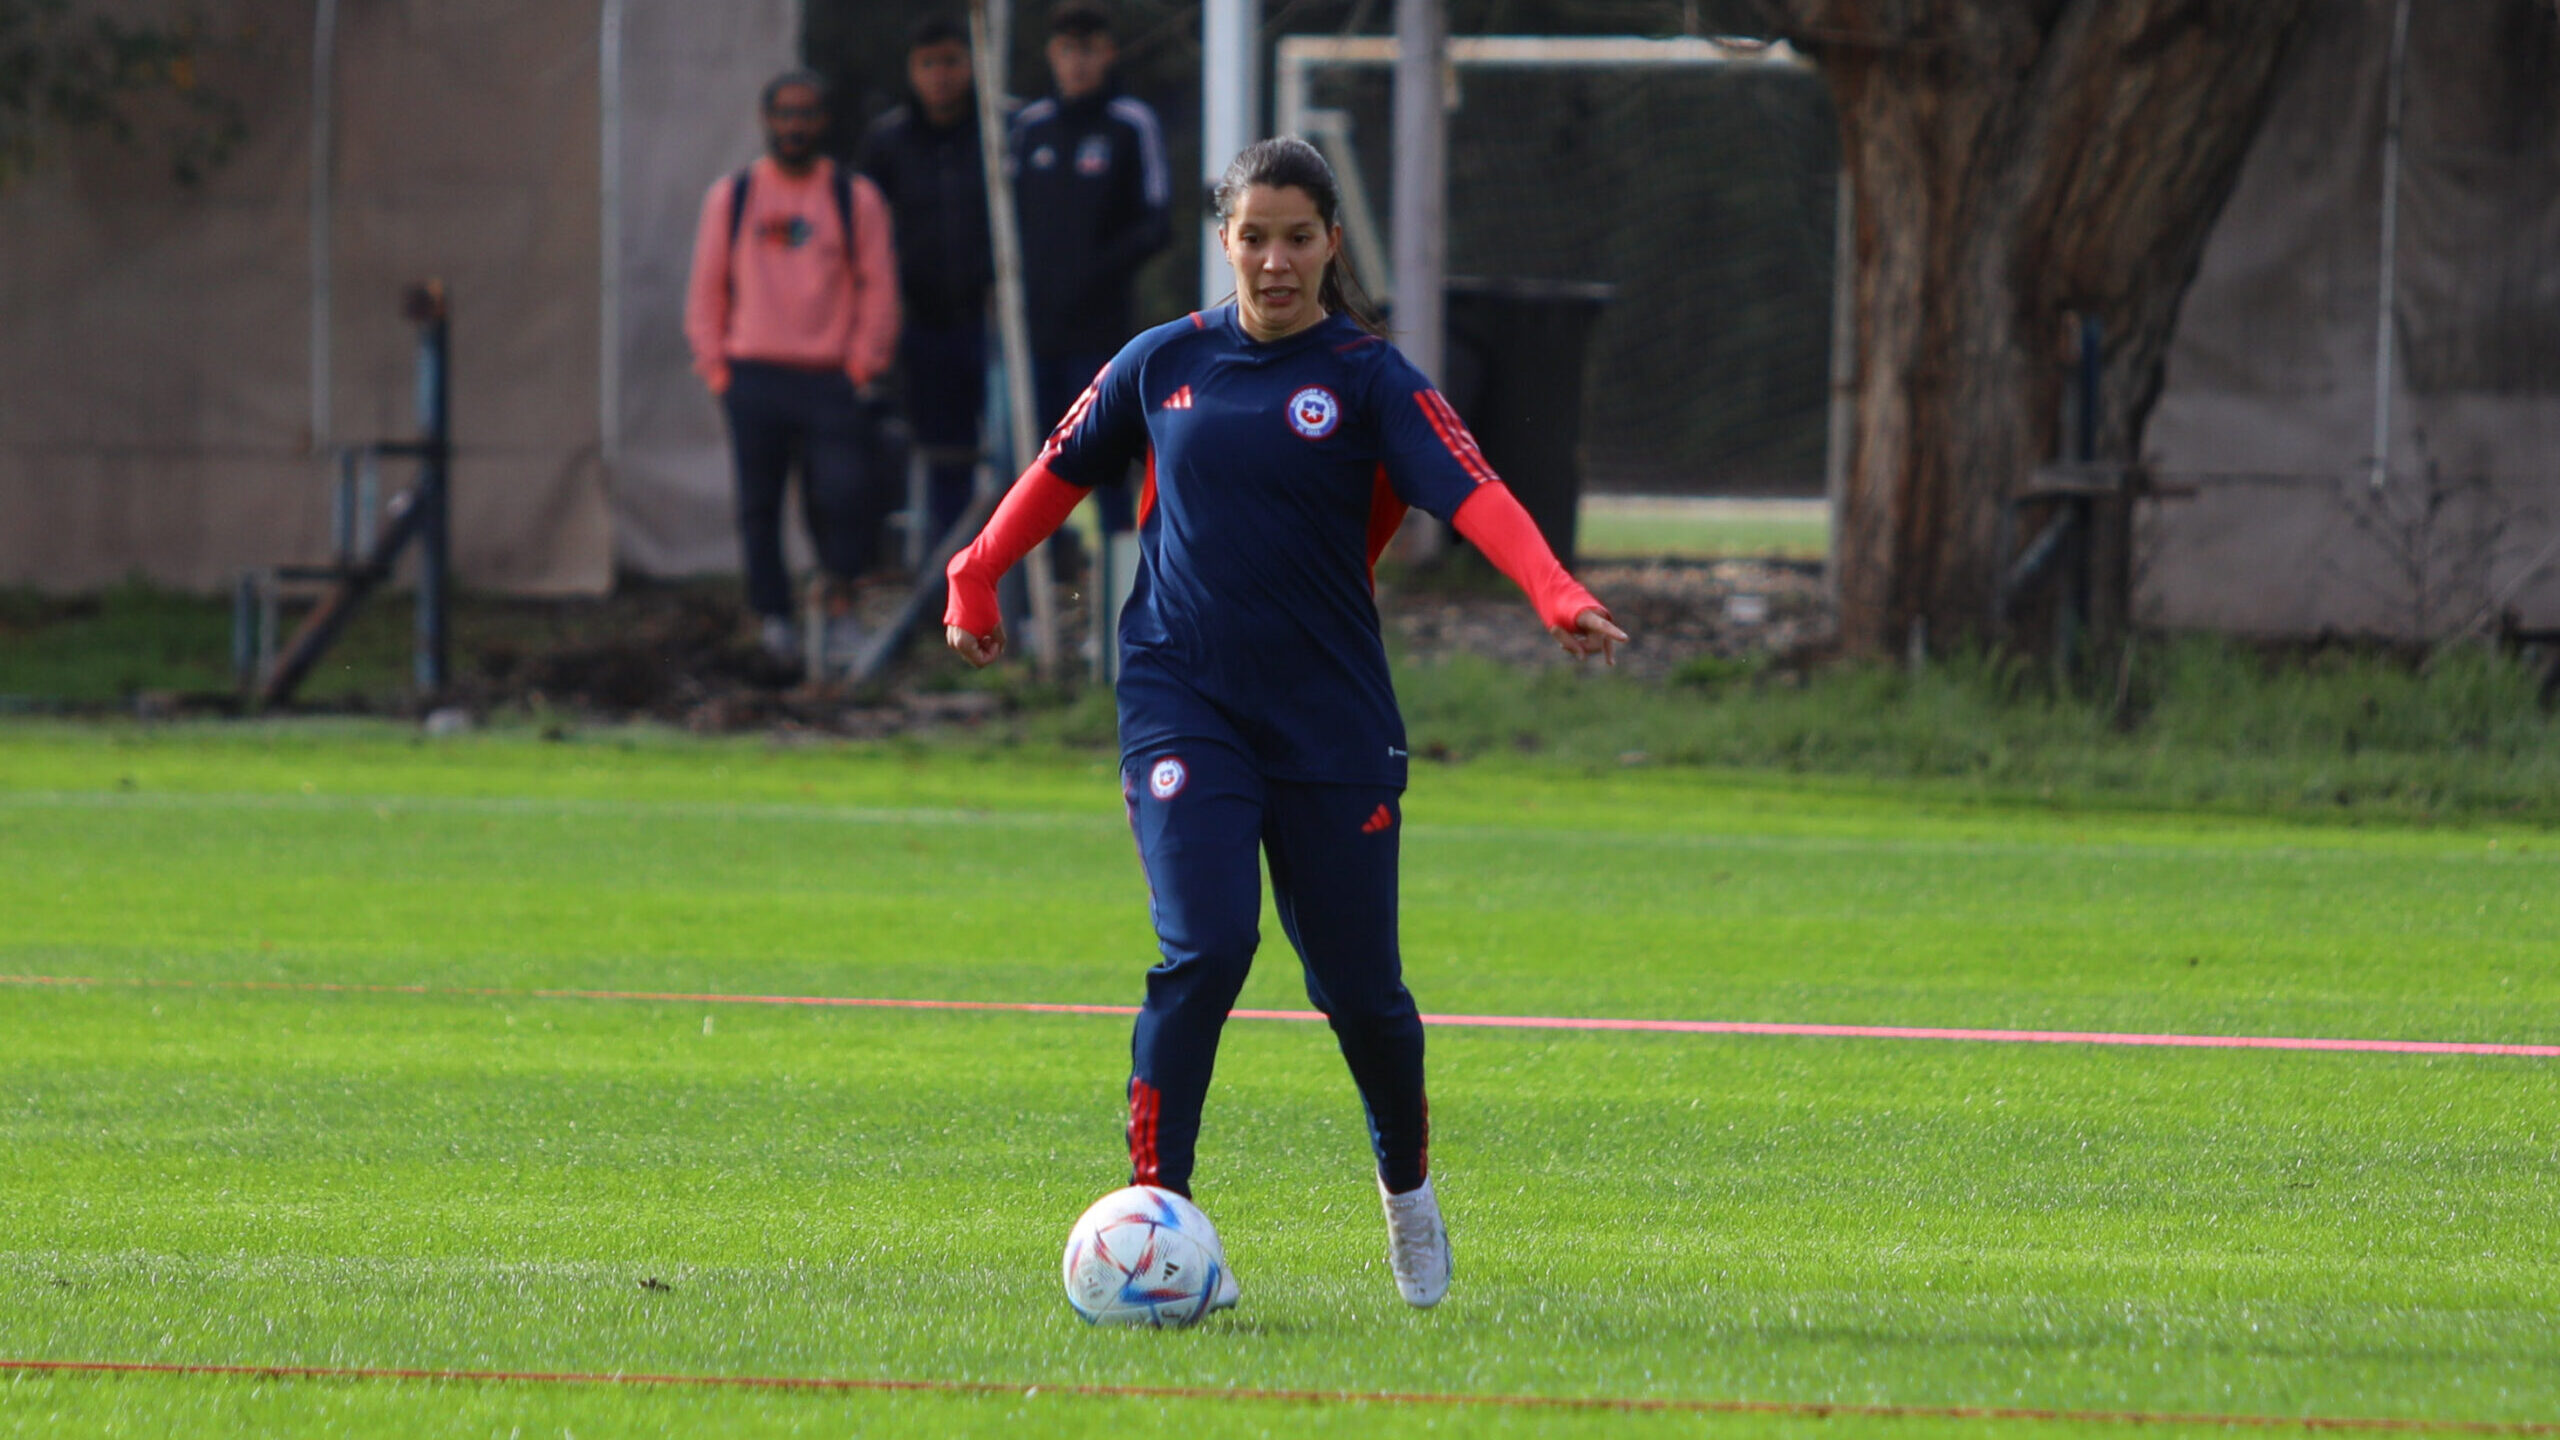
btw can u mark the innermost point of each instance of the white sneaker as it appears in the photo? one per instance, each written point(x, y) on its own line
point(1229, 1292)
point(1417, 1245)
point(840, 641)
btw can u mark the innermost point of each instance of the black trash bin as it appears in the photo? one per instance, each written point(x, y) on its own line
point(1513, 370)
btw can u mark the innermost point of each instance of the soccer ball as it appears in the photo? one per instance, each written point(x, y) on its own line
point(1143, 1256)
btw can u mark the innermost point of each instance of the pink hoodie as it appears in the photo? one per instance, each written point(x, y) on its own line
point(786, 295)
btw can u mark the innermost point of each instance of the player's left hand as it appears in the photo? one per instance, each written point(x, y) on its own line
point(1593, 633)
point(978, 651)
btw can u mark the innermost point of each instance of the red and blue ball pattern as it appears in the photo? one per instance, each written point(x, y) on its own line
point(1143, 1256)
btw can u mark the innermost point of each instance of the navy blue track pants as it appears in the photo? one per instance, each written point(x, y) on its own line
point(777, 415)
point(1205, 817)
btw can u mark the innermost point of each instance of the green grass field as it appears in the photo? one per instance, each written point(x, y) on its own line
point(1641, 526)
point(218, 1168)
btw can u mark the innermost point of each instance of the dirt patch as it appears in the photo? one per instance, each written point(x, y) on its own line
point(685, 654)
point(1678, 612)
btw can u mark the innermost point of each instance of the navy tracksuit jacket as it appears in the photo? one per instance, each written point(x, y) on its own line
point(935, 182)
point(1094, 190)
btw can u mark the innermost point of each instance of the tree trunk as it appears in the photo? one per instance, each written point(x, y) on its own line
point(2013, 163)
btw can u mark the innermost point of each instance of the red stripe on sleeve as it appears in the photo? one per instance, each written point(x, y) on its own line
point(1074, 417)
point(1454, 434)
point(1147, 490)
point(1386, 515)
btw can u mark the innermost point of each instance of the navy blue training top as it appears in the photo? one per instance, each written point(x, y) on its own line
point(1275, 474)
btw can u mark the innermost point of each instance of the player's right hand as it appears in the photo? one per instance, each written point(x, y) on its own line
point(1593, 633)
point(977, 651)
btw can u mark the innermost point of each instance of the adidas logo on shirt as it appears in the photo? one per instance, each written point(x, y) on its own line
point(1178, 400)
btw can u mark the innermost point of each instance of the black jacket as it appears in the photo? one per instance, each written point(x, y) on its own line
point(936, 187)
point(1092, 183)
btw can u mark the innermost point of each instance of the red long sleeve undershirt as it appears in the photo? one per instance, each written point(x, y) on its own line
point(1493, 522)
point(1031, 512)
point(1491, 519)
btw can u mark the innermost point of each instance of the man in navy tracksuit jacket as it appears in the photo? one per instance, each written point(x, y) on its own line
point(1094, 190)
point(924, 156)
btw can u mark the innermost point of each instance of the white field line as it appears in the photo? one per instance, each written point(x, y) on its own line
point(1102, 820)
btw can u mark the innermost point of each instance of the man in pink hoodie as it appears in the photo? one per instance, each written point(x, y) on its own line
point(792, 314)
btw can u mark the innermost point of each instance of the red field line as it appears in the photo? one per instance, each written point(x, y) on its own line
point(1803, 1409)
point(1481, 1022)
point(1442, 1021)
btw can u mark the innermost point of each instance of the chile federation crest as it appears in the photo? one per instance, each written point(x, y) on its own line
point(1313, 412)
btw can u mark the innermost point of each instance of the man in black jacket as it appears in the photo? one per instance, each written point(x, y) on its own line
point(924, 156)
point(1094, 189)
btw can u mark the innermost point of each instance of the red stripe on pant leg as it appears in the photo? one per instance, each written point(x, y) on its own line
point(1143, 1105)
point(1426, 1136)
point(1142, 1141)
point(1155, 1129)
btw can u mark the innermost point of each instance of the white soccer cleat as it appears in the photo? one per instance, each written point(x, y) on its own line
point(1417, 1245)
point(1229, 1292)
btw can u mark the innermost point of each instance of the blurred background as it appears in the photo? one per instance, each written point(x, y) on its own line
point(209, 219)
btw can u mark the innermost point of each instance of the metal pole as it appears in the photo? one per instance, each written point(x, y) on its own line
point(1419, 212)
point(427, 308)
point(345, 548)
point(1289, 86)
point(324, 70)
point(2394, 101)
point(2092, 374)
point(2074, 615)
point(1230, 116)
point(1010, 321)
point(246, 638)
point(609, 235)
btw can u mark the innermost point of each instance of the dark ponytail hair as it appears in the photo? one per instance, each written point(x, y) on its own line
point(1286, 162)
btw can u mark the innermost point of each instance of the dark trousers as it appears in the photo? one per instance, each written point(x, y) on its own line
point(946, 380)
point(1059, 377)
point(777, 416)
point(1204, 818)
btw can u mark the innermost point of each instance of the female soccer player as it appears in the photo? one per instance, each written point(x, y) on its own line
point(1283, 440)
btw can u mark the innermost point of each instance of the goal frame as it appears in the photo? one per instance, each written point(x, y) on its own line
point(1297, 57)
